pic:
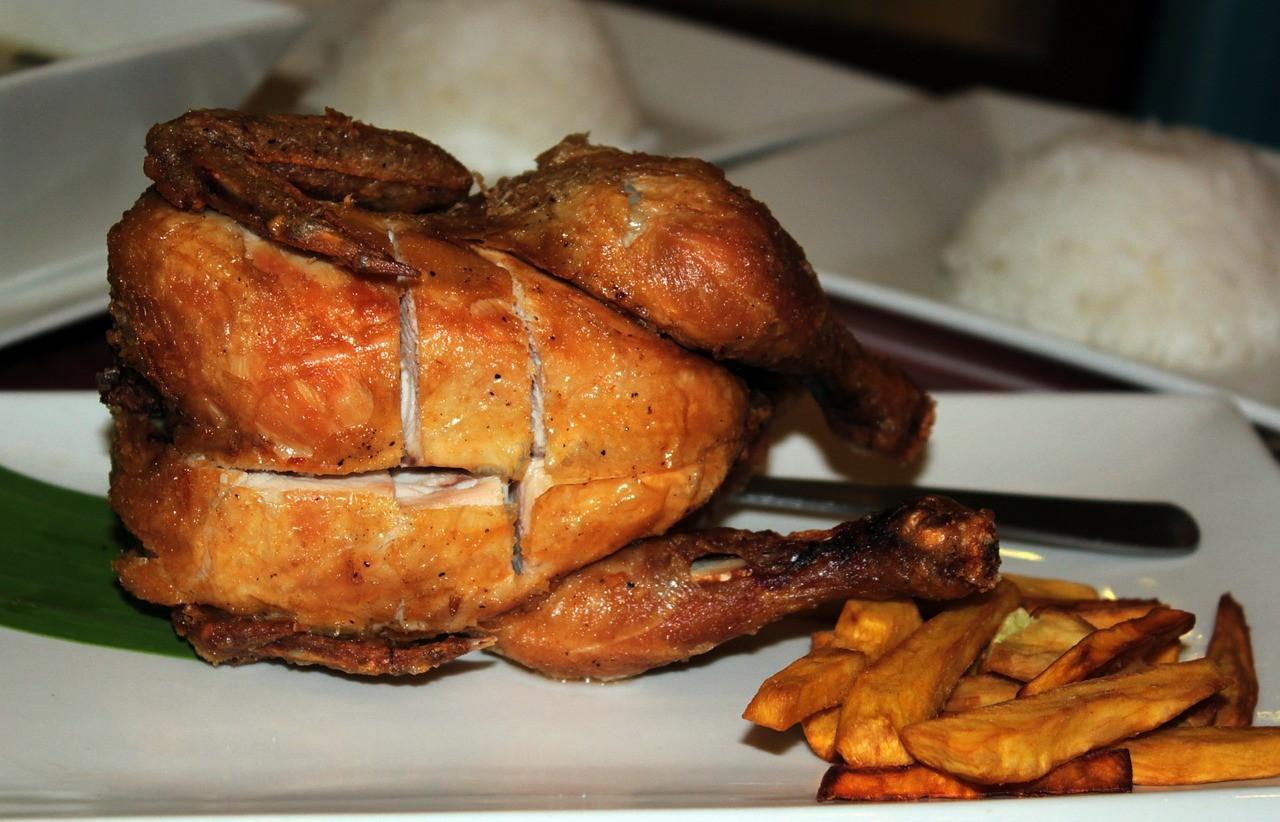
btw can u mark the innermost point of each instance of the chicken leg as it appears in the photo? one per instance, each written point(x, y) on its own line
point(665, 599)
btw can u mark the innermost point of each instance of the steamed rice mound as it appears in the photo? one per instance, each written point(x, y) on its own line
point(495, 82)
point(1162, 245)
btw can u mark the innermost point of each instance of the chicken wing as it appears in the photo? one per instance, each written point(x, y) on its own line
point(278, 174)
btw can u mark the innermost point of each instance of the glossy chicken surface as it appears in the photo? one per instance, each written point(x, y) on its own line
point(265, 358)
point(663, 599)
point(668, 598)
point(309, 474)
point(672, 242)
point(354, 433)
point(280, 176)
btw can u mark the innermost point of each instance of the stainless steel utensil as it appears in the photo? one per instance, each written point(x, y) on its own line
point(1151, 528)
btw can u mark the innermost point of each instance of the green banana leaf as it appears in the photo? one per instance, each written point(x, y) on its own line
point(55, 571)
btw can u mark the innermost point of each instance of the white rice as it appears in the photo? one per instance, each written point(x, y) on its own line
point(1162, 245)
point(494, 82)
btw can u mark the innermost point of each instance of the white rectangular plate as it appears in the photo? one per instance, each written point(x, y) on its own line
point(96, 732)
point(874, 208)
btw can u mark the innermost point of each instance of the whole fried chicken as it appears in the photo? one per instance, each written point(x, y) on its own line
point(367, 421)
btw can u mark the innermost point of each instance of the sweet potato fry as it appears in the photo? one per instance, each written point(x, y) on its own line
point(817, 680)
point(1109, 649)
point(820, 733)
point(979, 690)
point(1231, 647)
point(1025, 653)
point(870, 626)
point(822, 639)
point(1164, 655)
point(874, 626)
point(1193, 756)
point(1100, 613)
point(1048, 588)
point(1094, 772)
point(912, 681)
point(1024, 738)
point(866, 625)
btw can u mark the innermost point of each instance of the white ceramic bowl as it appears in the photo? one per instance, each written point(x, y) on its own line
point(72, 130)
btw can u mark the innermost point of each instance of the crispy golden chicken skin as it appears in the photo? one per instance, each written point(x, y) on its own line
point(672, 242)
point(544, 429)
point(282, 176)
point(661, 600)
point(667, 598)
point(265, 358)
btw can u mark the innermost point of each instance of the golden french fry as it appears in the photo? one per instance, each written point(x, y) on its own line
point(1193, 756)
point(1100, 613)
point(980, 690)
point(1111, 710)
point(1024, 738)
point(873, 626)
point(1047, 588)
point(1108, 649)
point(817, 680)
point(821, 639)
point(1164, 655)
point(912, 681)
point(1231, 648)
point(820, 732)
point(1025, 653)
point(894, 784)
point(866, 625)
point(1095, 772)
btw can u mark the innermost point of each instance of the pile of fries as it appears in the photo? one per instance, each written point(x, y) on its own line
point(1034, 688)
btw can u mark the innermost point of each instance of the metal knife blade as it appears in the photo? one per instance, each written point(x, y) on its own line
point(1146, 527)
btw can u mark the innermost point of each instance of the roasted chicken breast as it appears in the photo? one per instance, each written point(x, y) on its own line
point(420, 455)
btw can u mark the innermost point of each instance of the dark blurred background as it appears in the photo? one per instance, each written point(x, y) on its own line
point(1214, 63)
